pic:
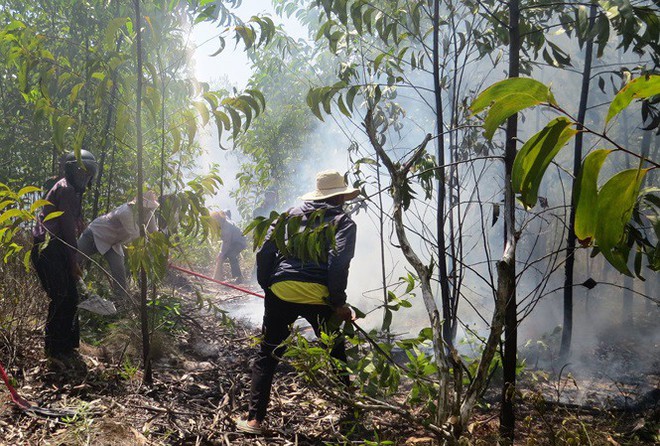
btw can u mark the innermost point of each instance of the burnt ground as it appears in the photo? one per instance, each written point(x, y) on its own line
point(201, 382)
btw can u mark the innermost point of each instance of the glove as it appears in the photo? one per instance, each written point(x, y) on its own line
point(344, 313)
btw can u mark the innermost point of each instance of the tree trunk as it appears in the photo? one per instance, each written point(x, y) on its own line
point(447, 314)
point(144, 321)
point(381, 229)
point(569, 267)
point(507, 267)
point(645, 150)
point(106, 146)
point(106, 138)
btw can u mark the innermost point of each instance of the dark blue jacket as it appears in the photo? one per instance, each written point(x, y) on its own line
point(273, 267)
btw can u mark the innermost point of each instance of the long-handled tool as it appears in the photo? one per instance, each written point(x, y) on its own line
point(244, 290)
point(27, 406)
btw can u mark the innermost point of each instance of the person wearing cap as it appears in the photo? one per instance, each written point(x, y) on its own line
point(54, 258)
point(314, 290)
point(233, 242)
point(106, 235)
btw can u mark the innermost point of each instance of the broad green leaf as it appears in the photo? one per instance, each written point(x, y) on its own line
point(235, 121)
point(505, 107)
point(80, 136)
point(387, 320)
point(616, 200)
point(37, 204)
point(11, 213)
point(6, 203)
point(75, 91)
point(28, 190)
point(519, 85)
point(221, 47)
point(260, 97)
point(639, 88)
point(203, 111)
point(176, 139)
point(535, 156)
point(586, 195)
point(314, 102)
point(52, 215)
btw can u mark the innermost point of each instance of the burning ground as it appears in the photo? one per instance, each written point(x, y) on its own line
point(202, 384)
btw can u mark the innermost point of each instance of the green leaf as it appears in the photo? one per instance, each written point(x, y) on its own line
point(535, 156)
point(221, 47)
point(11, 213)
point(387, 320)
point(75, 91)
point(28, 190)
point(53, 215)
point(26, 260)
point(586, 194)
point(639, 88)
point(508, 97)
point(616, 200)
point(260, 97)
point(37, 204)
point(235, 121)
point(203, 111)
point(80, 136)
point(501, 89)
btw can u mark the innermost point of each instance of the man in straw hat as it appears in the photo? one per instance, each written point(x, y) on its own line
point(314, 290)
point(106, 235)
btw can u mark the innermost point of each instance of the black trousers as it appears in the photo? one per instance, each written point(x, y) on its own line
point(62, 328)
point(278, 317)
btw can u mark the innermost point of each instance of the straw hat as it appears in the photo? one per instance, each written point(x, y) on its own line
point(330, 183)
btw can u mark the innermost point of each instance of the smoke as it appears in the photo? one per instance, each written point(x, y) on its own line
point(615, 330)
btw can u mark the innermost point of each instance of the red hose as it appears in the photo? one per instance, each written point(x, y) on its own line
point(193, 273)
point(15, 397)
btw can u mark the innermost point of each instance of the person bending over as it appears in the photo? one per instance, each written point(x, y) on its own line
point(233, 242)
point(106, 235)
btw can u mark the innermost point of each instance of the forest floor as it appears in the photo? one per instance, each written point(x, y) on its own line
point(201, 385)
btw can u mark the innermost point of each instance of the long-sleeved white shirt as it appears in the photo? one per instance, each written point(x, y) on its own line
point(119, 227)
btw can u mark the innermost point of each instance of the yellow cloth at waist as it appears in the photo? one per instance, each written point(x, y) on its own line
point(301, 292)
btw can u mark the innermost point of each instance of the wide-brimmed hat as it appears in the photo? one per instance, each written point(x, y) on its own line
point(330, 183)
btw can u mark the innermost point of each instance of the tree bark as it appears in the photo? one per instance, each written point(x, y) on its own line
point(507, 267)
point(449, 318)
point(569, 267)
point(144, 321)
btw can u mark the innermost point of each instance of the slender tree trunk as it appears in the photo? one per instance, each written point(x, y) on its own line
point(146, 351)
point(569, 267)
point(448, 317)
point(507, 266)
point(106, 136)
point(111, 177)
point(645, 150)
point(627, 302)
point(106, 146)
point(381, 229)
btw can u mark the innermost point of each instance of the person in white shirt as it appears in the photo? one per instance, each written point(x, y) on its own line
point(233, 242)
point(106, 235)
